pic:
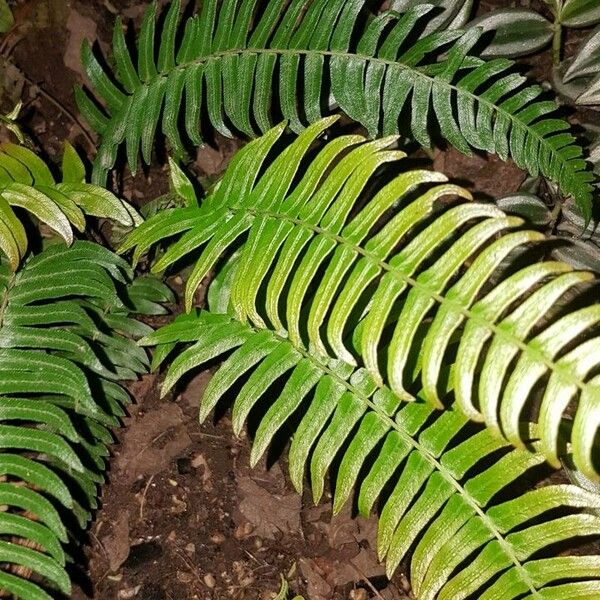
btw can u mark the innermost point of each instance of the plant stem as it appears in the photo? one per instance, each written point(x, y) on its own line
point(556, 43)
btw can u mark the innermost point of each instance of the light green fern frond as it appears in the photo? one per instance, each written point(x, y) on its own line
point(283, 593)
point(65, 342)
point(297, 58)
point(27, 183)
point(452, 503)
point(412, 287)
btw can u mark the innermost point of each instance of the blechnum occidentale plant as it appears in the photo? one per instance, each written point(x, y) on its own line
point(410, 333)
point(244, 61)
point(66, 341)
point(361, 328)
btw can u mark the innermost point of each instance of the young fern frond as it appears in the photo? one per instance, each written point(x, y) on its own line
point(452, 503)
point(408, 299)
point(65, 342)
point(26, 182)
point(294, 58)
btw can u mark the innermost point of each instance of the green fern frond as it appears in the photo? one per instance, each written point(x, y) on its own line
point(452, 502)
point(61, 357)
point(425, 292)
point(283, 593)
point(295, 58)
point(26, 182)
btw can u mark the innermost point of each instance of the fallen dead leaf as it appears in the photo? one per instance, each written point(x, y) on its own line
point(268, 513)
point(79, 28)
point(116, 543)
point(209, 160)
point(142, 387)
point(487, 174)
point(134, 12)
point(351, 557)
point(11, 84)
point(317, 587)
point(152, 442)
point(212, 161)
point(194, 390)
point(199, 463)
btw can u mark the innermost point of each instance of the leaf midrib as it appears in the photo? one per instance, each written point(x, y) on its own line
point(372, 59)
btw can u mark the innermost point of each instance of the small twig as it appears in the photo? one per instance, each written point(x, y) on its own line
point(202, 434)
point(102, 577)
point(192, 568)
point(154, 440)
point(367, 581)
point(143, 499)
point(6, 47)
point(99, 544)
point(264, 564)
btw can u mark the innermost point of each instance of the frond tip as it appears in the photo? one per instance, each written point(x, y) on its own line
point(26, 182)
point(413, 287)
point(309, 54)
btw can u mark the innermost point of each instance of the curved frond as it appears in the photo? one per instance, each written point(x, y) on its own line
point(65, 342)
point(414, 286)
point(452, 506)
point(26, 182)
point(243, 62)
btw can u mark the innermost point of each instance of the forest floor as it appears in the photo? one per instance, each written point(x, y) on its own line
point(182, 515)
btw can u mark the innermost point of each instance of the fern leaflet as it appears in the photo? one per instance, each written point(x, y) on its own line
point(444, 493)
point(26, 182)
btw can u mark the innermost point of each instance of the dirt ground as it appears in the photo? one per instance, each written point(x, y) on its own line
point(182, 515)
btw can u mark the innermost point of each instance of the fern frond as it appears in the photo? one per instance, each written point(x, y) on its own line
point(61, 357)
point(424, 292)
point(251, 60)
point(452, 501)
point(26, 182)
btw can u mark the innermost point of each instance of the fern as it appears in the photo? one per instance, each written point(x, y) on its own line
point(251, 59)
point(66, 339)
point(408, 299)
point(65, 342)
point(476, 536)
point(26, 182)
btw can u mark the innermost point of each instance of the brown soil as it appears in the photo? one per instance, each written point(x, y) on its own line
point(182, 515)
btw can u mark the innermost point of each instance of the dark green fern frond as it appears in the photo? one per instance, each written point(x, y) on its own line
point(452, 504)
point(62, 354)
point(251, 60)
point(26, 182)
point(425, 292)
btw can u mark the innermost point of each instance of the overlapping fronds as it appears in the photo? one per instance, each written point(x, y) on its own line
point(446, 490)
point(401, 281)
point(27, 183)
point(243, 62)
point(65, 342)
